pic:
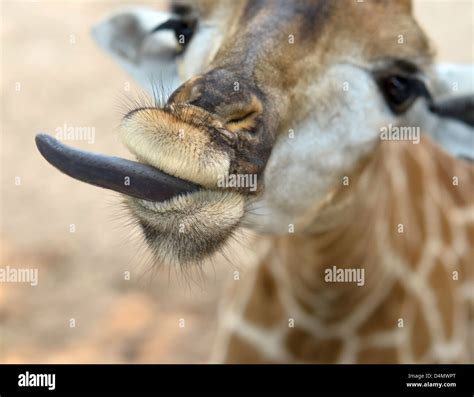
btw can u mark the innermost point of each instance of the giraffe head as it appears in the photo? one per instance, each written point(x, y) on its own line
point(279, 100)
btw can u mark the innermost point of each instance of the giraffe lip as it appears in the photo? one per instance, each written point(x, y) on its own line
point(124, 176)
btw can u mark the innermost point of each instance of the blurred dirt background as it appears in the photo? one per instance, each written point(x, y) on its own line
point(52, 73)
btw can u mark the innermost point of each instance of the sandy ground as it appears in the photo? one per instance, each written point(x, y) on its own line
point(51, 74)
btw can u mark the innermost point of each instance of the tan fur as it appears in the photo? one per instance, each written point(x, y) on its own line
point(174, 229)
point(178, 147)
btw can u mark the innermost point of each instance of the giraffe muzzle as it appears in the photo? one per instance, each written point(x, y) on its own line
point(124, 176)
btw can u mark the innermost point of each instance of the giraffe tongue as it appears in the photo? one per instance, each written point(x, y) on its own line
point(144, 182)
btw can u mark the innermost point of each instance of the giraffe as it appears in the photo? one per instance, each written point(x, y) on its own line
point(366, 235)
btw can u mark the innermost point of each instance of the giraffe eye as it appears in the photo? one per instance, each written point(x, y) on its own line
point(400, 92)
point(183, 30)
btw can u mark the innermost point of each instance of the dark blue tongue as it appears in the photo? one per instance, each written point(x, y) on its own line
point(124, 176)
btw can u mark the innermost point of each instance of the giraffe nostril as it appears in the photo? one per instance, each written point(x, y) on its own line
point(238, 118)
point(242, 117)
point(242, 121)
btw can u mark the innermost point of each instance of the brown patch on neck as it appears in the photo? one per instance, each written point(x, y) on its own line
point(378, 355)
point(305, 347)
point(264, 307)
point(241, 352)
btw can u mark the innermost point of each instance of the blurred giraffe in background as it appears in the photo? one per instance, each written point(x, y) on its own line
point(367, 228)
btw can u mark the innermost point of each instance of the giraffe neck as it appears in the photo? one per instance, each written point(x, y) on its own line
point(402, 240)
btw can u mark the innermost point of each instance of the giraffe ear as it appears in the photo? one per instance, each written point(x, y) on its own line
point(449, 119)
point(148, 57)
